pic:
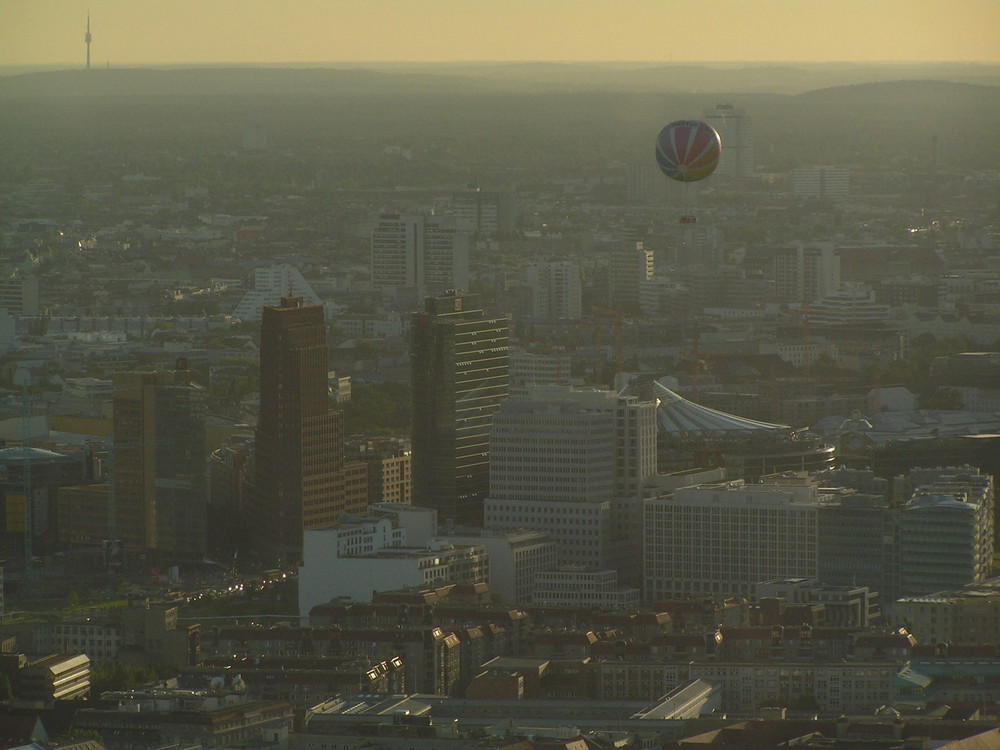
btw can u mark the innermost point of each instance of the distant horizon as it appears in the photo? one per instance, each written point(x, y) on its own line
point(136, 33)
point(73, 66)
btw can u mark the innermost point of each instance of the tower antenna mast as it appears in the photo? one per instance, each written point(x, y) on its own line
point(87, 38)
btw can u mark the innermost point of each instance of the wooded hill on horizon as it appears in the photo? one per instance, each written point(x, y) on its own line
point(533, 117)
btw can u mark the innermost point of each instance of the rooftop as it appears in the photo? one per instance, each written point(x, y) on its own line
point(676, 415)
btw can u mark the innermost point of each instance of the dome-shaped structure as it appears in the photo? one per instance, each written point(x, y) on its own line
point(20, 453)
point(693, 436)
point(675, 415)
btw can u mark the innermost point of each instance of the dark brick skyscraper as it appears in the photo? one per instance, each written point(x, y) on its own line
point(459, 377)
point(301, 479)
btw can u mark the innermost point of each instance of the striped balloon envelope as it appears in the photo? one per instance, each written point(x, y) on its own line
point(688, 150)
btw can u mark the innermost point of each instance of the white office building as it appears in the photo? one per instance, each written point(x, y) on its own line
point(551, 291)
point(725, 537)
point(735, 128)
point(630, 265)
point(572, 463)
point(380, 325)
point(425, 254)
point(573, 586)
point(806, 272)
point(516, 558)
point(824, 183)
point(390, 548)
point(485, 213)
point(848, 307)
point(539, 368)
point(581, 529)
point(797, 353)
point(558, 443)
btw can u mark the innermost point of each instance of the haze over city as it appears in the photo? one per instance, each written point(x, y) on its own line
point(464, 375)
point(186, 32)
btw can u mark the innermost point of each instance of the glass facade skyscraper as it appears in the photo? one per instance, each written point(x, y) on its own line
point(459, 369)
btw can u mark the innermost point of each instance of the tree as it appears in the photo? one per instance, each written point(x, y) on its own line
point(826, 365)
point(378, 409)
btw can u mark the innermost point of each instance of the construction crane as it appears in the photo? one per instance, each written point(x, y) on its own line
point(697, 363)
point(806, 354)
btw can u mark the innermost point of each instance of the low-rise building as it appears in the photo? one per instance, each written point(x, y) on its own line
point(360, 577)
point(98, 638)
point(53, 678)
point(389, 466)
point(962, 617)
point(143, 632)
point(145, 719)
point(301, 681)
point(451, 607)
point(390, 548)
point(583, 530)
point(515, 678)
point(516, 559)
point(842, 606)
point(430, 654)
point(577, 586)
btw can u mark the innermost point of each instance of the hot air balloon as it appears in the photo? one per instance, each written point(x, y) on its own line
point(688, 151)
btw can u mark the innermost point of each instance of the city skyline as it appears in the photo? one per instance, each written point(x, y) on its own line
point(396, 31)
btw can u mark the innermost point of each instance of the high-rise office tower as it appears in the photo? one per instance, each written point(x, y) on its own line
point(551, 290)
point(806, 272)
point(485, 213)
point(300, 476)
point(630, 264)
point(557, 443)
point(159, 463)
point(228, 471)
point(832, 183)
point(459, 377)
point(572, 463)
point(735, 128)
point(19, 295)
point(427, 254)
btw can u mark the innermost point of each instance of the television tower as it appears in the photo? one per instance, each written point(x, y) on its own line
point(87, 37)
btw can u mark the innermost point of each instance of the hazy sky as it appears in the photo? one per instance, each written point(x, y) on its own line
point(129, 32)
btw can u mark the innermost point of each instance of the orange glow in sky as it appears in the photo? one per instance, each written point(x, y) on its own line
point(132, 32)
